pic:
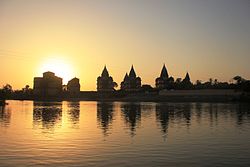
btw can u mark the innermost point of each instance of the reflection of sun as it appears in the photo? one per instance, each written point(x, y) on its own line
point(59, 67)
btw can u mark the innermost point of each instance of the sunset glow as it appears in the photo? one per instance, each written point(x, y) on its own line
point(124, 83)
point(87, 35)
point(59, 66)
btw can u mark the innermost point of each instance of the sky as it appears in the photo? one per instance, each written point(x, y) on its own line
point(76, 38)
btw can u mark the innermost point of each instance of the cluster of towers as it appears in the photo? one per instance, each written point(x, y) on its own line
point(132, 82)
point(51, 85)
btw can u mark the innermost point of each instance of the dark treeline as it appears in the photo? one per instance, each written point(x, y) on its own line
point(238, 83)
point(7, 92)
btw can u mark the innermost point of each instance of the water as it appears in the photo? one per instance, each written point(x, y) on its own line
point(124, 134)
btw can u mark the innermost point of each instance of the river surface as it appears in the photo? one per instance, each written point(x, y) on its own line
point(124, 134)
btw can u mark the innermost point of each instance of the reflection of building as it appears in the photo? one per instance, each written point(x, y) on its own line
point(131, 82)
point(73, 86)
point(47, 114)
point(105, 115)
point(164, 81)
point(5, 116)
point(132, 114)
point(73, 110)
point(105, 82)
point(48, 85)
point(183, 112)
point(179, 113)
point(162, 116)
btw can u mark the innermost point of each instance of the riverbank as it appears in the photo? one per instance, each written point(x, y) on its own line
point(206, 95)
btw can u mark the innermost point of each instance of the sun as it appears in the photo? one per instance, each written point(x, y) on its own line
point(60, 67)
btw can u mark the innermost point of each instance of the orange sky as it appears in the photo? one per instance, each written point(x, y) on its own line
point(76, 39)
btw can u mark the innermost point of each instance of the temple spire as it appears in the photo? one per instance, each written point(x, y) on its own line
point(132, 73)
point(105, 72)
point(105, 81)
point(164, 72)
point(125, 77)
point(187, 77)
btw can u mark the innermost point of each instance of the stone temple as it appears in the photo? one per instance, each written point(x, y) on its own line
point(105, 82)
point(131, 82)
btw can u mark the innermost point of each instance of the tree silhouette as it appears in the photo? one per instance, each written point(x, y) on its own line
point(6, 91)
point(239, 79)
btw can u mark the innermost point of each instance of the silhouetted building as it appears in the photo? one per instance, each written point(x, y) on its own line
point(186, 83)
point(146, 88)
point(48, 85)
point(105, 82)
point(164, 81)
point(131, 82)
point(73, 86)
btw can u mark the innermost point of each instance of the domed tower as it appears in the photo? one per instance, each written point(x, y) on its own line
point(73, 86)
point(105, 82)
point(47, 86)
point(186, 83)
point(124, 83)
point(164, 81)
point(131, 82)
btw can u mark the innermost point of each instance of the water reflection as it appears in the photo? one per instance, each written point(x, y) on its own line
point(237, 112)
point(240, 111)
point(182, 113)
point(147, 109)
point(41, 134)
point(131, 113)
point(105, 116)
point(47, 114)
point(73, 111)
point(175, 113)
point(198, 113)
point(5, 116)
point(162, 116)
point(187, 112)
point(243, 113)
